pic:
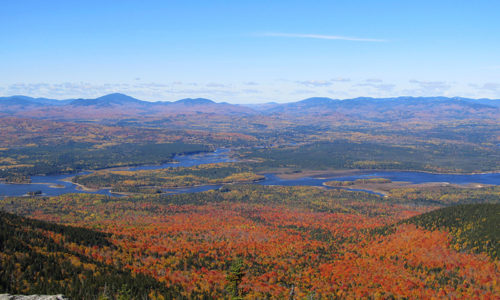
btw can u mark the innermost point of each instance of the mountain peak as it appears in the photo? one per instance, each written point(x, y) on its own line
point(195, 101)
point(17, 100)
point(317, 100)
point(107, 100)
point(118, 97)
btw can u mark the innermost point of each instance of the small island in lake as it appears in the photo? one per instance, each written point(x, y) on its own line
point(34, 193)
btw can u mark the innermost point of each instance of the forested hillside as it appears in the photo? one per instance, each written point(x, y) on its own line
point(247, 240)
point(250, 150)
point(473, 227)
point(73, 157)
point(263, 242)
point(38, 257)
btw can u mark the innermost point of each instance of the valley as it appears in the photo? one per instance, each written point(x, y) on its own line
point(249, 150)
point(320, 197)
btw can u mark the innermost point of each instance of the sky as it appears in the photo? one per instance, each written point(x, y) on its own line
point(250, 51)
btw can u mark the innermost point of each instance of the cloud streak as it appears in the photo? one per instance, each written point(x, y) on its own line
point(387, 87)
point(252, 92)
point(322, 37)
point(491, 86)
point(431, 86)
point(315, 83)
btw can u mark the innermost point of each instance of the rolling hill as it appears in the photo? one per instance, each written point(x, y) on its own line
point(39, 257)
point(120, 105)
point(474, 227)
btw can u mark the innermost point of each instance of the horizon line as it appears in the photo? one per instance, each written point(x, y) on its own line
point(220, 102)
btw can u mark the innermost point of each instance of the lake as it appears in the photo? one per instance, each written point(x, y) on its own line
point(55, 185)
point(47, 184)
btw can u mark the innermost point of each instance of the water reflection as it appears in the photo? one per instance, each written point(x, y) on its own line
point(58, 184)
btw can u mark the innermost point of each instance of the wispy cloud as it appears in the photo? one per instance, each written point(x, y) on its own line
point(251, 91)
point(431, 86)
point(315, 83)
point(376, 80)
point(322, 37)
point(322, 83)
point(142, 90)
point(491, 86)
point(340, 79)
point(381, 87)
point(216, 85)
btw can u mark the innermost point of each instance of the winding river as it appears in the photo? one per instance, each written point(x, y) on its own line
point(56, 184)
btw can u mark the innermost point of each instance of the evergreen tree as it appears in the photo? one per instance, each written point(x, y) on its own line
point(234, 278)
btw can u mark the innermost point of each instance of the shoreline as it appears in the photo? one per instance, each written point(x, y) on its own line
point(110, 189)
point(325, 174)
point(82, 187)
point(385, 188)
point(285, 173)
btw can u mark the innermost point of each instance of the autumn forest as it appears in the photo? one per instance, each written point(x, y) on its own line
point(136, 227)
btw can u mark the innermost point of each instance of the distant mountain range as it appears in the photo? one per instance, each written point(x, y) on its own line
point(107, 100)
point(120, 105)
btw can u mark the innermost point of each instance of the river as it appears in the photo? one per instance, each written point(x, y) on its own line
point(56, 185)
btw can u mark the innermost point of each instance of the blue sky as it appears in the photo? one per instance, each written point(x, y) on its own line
point(250, 51)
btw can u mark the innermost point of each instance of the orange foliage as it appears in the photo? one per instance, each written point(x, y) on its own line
point(318, 253)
